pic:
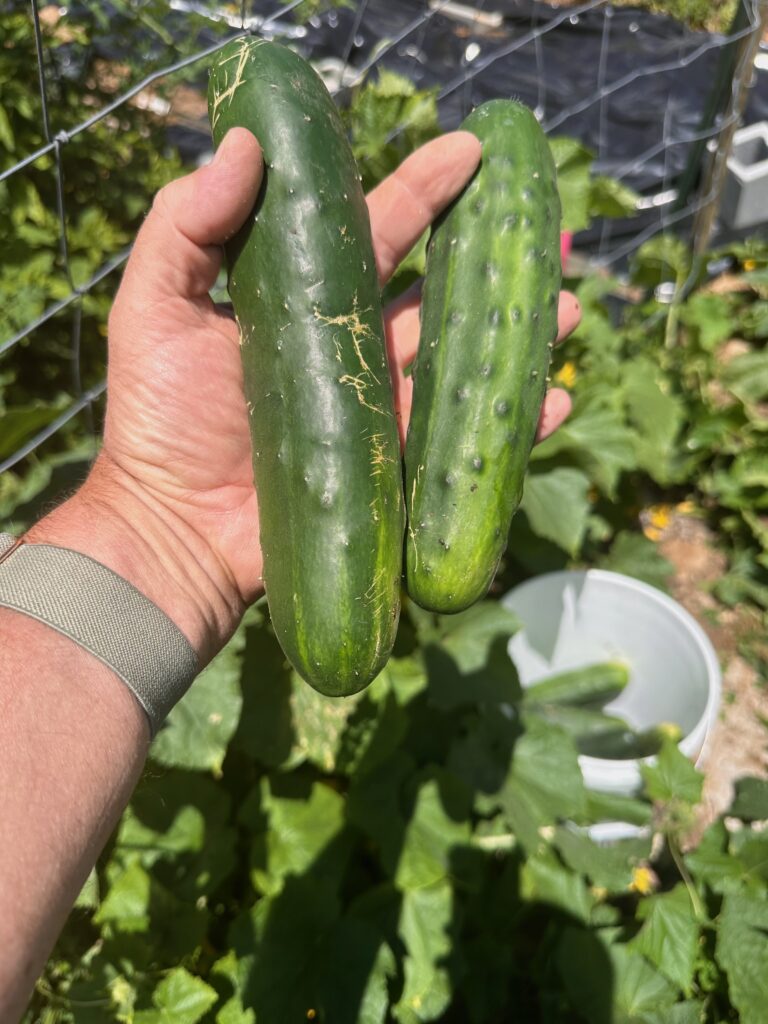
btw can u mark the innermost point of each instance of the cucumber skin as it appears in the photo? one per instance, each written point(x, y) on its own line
point(581, 723)
point(591, 686)
point(628, 744)
point(326, 456)
point(488, 323)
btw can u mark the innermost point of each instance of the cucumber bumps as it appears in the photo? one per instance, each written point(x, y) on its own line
point(488, 322)
point(326, 458)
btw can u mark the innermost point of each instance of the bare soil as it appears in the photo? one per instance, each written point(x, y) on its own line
point(738, 745)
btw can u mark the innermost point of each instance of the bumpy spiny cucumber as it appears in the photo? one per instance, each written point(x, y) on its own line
point(489, 319)
point(302, 277)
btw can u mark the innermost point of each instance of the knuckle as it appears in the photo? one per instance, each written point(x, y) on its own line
point(161, 204)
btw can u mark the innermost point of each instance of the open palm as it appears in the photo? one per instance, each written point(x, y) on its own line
point(176, 422)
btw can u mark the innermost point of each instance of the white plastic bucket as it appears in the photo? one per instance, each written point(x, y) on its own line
point(573, 619)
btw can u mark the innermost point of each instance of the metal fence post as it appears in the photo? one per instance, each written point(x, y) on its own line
point(713, 178)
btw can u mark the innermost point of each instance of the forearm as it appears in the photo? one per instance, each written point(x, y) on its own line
point(73, 738)
point(72, 743)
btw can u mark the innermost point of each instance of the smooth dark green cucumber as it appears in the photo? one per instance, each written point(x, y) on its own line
point(582, 723)
point(618, 746)
point(326, 459)
point(591, 686)
point(488, 322)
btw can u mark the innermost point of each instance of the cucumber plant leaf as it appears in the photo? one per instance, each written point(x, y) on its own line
point(742, 951)
point(557, 506)
point(424, 929)
point(198, 730)
point(180, 998)
point(669, 935)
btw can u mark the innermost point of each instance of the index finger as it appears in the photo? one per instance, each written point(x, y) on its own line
point(404, 205)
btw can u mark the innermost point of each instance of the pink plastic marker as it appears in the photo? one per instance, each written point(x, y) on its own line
point(566, 238)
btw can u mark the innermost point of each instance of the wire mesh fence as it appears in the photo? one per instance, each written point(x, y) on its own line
point(468, 54)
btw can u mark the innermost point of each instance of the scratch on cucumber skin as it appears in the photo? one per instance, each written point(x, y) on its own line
point(378, 456)
point(244, 332)
point(359, 386)
point(230, 90)
point(376, 596)
point(358, 332)
point(375, 586)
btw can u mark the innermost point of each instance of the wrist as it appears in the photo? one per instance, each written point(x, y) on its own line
point(113, 520)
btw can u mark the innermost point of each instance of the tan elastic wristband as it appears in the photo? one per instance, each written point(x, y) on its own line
point(103, 613)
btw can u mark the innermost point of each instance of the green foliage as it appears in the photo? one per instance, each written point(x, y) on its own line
point(742, 951)
point(309, 8)
point(557, 506)
point(751, 799)
point(109, 175)
point(669, 409)
point(669, 935)
point(672, 780)
point(583, 196)
point(388, 117)
point(428, 862)
point(179, 998)
point(201, 725)
point(713, 15)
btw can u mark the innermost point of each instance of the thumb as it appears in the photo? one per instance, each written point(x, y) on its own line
point(178, 249)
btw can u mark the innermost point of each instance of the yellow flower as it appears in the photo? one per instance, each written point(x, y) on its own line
point(671, 731)
point(311, 1014)
point(660, 516)
point(685, 508)
point(566, 375)
point(643, 880)
point(656, 519)
point(749, 264)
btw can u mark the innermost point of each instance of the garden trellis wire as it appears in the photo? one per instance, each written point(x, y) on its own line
point(405, 43)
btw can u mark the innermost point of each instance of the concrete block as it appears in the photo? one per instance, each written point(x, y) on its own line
point(745, 192)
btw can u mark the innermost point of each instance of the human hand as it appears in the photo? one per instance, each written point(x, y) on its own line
point(176, 435)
